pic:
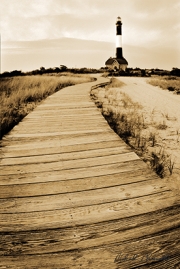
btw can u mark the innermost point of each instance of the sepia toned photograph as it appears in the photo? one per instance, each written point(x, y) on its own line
point(89, 134)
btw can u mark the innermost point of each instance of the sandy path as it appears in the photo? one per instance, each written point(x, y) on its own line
point(152, 97)
point(164, 107)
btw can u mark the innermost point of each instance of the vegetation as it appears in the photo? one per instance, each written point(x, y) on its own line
point(170, 83)
point(56, 70)
point(19, 95)
point(126, 118)
point(138, 72)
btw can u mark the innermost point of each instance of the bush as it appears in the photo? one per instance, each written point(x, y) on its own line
point(171, 89)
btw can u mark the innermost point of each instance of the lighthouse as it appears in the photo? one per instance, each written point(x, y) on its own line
point(119, 62)
point(119, 38)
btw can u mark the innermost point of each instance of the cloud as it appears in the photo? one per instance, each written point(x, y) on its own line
point(154, 6)
point(25, 8)
point(143, 21)
point(29, 55)
point(59, 44)
point(149, 24)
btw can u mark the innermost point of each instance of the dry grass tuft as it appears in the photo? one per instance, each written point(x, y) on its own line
point(166, 83)
point(126, 119)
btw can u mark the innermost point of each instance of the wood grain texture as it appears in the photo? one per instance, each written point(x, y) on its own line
point(74, 195)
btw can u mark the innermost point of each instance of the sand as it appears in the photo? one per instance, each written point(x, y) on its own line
point(162, 108)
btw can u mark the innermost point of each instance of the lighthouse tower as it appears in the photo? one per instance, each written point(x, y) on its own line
point(119, 62)
point(119, 54)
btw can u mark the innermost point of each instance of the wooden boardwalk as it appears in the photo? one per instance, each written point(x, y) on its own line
point(74, 195)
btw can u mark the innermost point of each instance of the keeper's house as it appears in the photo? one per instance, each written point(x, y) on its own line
point(116, 64)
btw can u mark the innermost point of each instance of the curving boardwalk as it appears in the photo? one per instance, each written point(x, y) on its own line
point(74, 195)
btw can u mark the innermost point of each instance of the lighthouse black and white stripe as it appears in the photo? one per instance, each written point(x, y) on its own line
point(119, 53)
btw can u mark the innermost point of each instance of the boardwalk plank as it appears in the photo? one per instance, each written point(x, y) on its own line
point(65, 164)
point(85, 215)
point(59, 140)
point(55, 185)
point(83, 198)
point(16, 152)
point(122, 169)
point(66, 156)
point(89, 236)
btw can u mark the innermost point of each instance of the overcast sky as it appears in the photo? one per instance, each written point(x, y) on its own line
point(81, 33)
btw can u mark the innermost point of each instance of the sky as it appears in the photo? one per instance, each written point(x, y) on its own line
point(81, 33)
